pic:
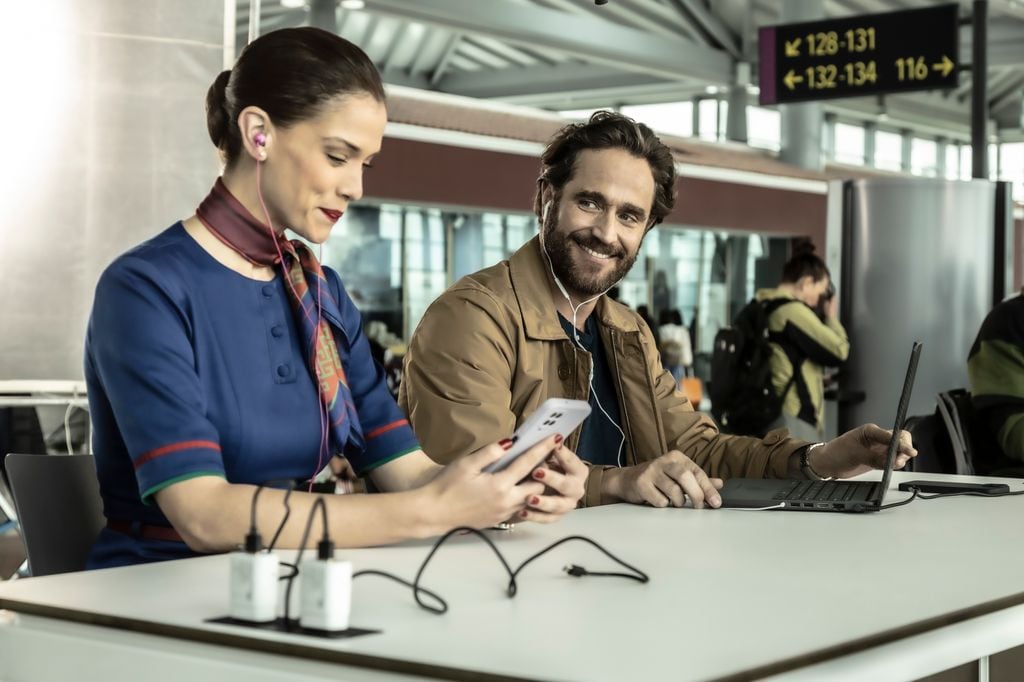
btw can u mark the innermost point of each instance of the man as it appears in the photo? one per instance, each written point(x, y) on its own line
point(499, 342)
point(995, 368)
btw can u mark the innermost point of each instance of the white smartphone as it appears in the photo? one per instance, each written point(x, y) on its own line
point(555, 415)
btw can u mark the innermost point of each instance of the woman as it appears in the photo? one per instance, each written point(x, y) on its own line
point(200, 349)
point(803, 343)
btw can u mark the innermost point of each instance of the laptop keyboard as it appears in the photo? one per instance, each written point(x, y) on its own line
point(825, 491)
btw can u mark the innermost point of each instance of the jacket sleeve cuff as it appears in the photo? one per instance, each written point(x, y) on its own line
point(594, 485)
point(782, 449)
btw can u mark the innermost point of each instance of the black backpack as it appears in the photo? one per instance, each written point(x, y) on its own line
point(743, 400)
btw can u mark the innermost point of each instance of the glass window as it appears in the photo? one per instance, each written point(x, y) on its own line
point(849, 144)
point(366, 249)
point(396, 259)
point(708, 109)
point(673, 118)
point(923, 157)
point(764, 128)
point(966, 163)
point(1013, 167)
point(888, 150)
point(425, 272)
point(952, 161)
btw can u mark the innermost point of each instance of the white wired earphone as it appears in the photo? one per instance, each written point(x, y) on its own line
point(575, 332)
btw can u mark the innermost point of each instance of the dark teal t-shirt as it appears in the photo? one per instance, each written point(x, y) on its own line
point(600, 438)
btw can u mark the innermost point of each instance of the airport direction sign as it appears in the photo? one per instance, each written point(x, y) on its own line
point(871, 54)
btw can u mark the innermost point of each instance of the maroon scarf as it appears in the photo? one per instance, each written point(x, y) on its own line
point(232, 223)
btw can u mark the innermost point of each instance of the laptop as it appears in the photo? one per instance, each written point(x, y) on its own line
point(830, 496)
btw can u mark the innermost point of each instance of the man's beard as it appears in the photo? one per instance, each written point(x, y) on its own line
point(583, 285)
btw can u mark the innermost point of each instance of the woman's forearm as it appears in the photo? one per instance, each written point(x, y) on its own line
point(213, 515)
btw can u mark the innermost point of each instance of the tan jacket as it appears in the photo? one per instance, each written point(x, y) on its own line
point(490, 350)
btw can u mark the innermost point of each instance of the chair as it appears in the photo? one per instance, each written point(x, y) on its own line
point(60, 512)
point(946, 439)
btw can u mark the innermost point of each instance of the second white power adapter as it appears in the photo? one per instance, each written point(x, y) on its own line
point(326, 594)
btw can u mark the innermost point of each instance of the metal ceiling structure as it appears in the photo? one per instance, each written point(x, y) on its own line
point(574, 54)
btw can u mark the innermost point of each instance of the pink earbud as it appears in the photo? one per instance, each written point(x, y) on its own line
point(260, 140)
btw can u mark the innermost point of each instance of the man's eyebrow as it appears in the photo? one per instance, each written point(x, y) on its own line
point(599, 198)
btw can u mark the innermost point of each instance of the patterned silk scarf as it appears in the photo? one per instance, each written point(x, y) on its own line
point(232, 223)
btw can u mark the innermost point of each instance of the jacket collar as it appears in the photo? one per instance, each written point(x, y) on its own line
point(528, 271)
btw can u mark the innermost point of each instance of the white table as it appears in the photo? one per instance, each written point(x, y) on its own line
point(733, 595)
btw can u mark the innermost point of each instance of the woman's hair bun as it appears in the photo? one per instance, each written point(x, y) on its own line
point(218, 119)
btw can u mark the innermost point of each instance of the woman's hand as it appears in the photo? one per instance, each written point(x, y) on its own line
point(565, 477)
point(462, 494)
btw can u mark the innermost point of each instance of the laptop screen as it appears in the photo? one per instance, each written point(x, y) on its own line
point(901, 416)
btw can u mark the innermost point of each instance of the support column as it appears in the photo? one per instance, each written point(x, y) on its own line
point(736, 120)
point(869, 143)
point(906, 149)
point(940, 157)
point(801, 123)
point(829, 140)
point(979, 87)
point(736, 117)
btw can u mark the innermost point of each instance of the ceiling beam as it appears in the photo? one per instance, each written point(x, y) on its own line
point(542, 80)
point(446, 56)
point(711, 25)
point(588, 37)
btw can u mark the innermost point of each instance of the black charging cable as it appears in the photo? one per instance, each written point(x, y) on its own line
point(917, 493)
point(324, 550)
point(512, 588)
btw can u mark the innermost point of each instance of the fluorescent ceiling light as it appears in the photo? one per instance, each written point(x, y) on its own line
point(293, 4)
point(352, 4)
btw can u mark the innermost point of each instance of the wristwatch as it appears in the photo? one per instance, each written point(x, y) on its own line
point(805, 464)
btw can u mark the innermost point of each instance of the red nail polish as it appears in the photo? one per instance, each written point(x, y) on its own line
point(558, 439)
point(505, 443)
point(534, 501)
point(523, 514)
point(538, 473)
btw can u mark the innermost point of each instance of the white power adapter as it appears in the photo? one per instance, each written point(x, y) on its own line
point(326, 598)
point(253, 586)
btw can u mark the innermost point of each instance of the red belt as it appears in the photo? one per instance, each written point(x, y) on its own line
point(144, 530)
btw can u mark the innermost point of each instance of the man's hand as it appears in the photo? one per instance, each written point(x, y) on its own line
point(858, 451)
point(662, 482)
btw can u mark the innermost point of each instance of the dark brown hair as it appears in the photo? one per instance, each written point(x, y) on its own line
point(290, 74)
point(804, 263)
point(609, 130)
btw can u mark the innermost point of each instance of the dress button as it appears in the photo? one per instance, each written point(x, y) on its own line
point(283, 371)
point(563, 372)
point(277, 331)
point(268, 291)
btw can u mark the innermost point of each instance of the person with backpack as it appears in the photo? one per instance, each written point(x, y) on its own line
point(767, 368)
point(800, 344)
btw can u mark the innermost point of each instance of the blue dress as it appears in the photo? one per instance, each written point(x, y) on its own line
point(195, 370)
